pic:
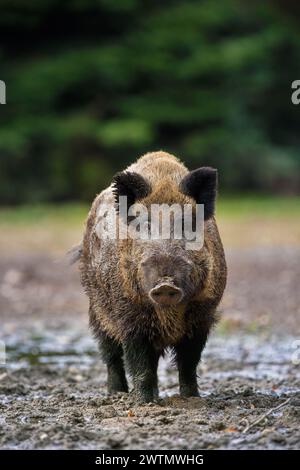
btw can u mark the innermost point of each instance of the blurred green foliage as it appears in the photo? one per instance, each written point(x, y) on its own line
point(91, 85)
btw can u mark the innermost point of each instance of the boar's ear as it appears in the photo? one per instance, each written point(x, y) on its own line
point(130, 184)
point(201, 185)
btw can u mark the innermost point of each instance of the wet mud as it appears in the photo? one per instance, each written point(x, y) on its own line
point(53, 384)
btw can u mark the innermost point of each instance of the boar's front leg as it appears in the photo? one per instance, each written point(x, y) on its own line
point(112, 355)
point(188, 354)
point(141, 360)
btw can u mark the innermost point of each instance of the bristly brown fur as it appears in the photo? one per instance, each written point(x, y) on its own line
point(120, 311)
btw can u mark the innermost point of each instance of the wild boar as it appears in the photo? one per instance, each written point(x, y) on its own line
point(149, 295)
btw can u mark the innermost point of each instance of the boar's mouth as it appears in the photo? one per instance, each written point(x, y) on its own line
point(166, 293)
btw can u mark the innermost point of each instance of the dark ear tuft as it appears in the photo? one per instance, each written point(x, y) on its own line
point(130, 184)
point(201, 185)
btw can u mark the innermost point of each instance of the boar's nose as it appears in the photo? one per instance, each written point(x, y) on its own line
point(166, 294)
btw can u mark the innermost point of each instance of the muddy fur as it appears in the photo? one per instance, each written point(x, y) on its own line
point(131, 329)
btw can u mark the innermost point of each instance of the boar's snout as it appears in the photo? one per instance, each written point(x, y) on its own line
point(166, 294)
point(166, 278)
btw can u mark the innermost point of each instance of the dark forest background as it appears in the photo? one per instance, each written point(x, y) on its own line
point(91, 85)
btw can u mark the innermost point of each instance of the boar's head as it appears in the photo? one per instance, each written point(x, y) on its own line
point(163, 270)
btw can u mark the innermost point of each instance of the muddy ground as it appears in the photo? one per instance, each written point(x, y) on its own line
point(52, 387)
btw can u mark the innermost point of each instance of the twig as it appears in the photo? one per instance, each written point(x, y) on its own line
point(258, 420)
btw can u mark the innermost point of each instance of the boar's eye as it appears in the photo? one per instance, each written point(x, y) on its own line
point(130, 184)
point(201, 185)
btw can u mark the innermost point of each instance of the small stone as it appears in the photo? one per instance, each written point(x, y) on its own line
point(78, 378)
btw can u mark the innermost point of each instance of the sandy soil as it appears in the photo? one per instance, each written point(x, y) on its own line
point(52, 387)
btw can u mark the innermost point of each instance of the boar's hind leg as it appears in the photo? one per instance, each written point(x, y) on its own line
point(141, 359)
point(188, 354)
point(112, 355)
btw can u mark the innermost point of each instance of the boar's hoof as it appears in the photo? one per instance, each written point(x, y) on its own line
point(143, 397)
point(189, 391)
point(114, 389)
